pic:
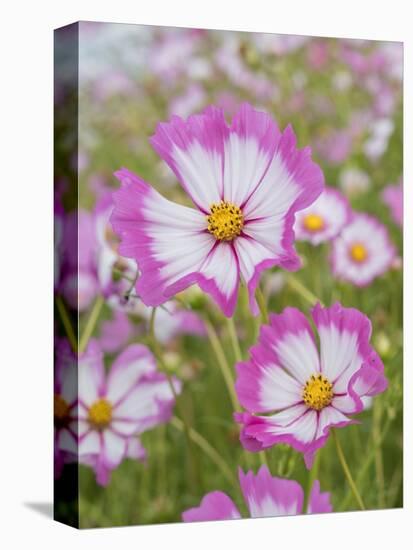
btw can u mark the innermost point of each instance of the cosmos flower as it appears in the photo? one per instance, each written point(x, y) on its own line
point(324, 219)
point(362, 251)
point(306, 390)
point(65, 400)
point(264, 495)
point(131, 399)
point(393, 196)
point(246, 180)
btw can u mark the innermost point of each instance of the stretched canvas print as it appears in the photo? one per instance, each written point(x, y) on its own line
point(228, 275)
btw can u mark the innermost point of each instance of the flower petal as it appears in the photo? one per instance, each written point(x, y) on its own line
point(344, 342)
point(318, 503)
point(249, 148)
point(91, 374)
point(291, 339)
point(113, 448)
point(214, 506)
point(133, 363)
point(194, 149)
point(268, 496)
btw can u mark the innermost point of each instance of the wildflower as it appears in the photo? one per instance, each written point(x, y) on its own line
point(362, 251)
point(264, 495)
point(306, 390)
point(131, 399)
point(324, 219)
point(247, 181)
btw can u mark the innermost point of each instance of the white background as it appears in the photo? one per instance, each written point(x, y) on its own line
point(26, 270)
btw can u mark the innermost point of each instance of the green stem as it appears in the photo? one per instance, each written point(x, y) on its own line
point(234, 339)
point(262, 305)
point(312, 476)
point(208, 450)
point(91, 323)
point(378, 456)
point(222, 362)
point(303, 291)
point(64, 316)
point(346, 470)
point(159, 356)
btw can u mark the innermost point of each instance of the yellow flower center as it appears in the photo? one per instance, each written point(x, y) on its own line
point(358, 252)
point(225, 221)
point(100, 414)
point(313, 222)
point(61, 409)
point(318, 392)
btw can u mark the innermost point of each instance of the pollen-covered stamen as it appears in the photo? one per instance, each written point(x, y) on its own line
point(61, 411)
point(358, 252)
point(318, 392)
point(313, 223)
point(225, 221)
point(100, 414)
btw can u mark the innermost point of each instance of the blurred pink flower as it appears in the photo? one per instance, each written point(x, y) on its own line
point(132, 398)
point(264, 495)
point(324, 219)
point(392, 195)
point(362, 251)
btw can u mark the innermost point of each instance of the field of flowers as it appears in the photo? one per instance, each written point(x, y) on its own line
point(239, 277)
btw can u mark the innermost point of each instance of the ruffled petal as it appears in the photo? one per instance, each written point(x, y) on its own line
point(268, 496)
point(344, 342)
point(91, 374)
point(194, 150)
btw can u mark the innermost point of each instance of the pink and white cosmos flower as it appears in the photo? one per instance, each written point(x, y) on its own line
point(302, 390)
point(362, 251)
point(324, 219)
point(246, 181)
point(114, 408)
point(264, 495)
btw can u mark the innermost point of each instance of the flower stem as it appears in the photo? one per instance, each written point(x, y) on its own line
point(222, 361)
point(303, 291)
point(312, 476)
point(159, 357)
point(208, 450)
point(369, 459)
point(262, 305)
point(377, 411)
point(346, 470)
point(64, 316)
point(234, 339)
point(90, 324)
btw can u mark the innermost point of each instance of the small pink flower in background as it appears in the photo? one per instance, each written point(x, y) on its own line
point(264, 495)
point(65, 400)
point(362, 251)
point(247, 181)
point(116, 332)
point(116, 407)
point(392, 195)
point(306, 390)
point(191, 100)
point(79, 284)
point(324, 219)
point(354, 182)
